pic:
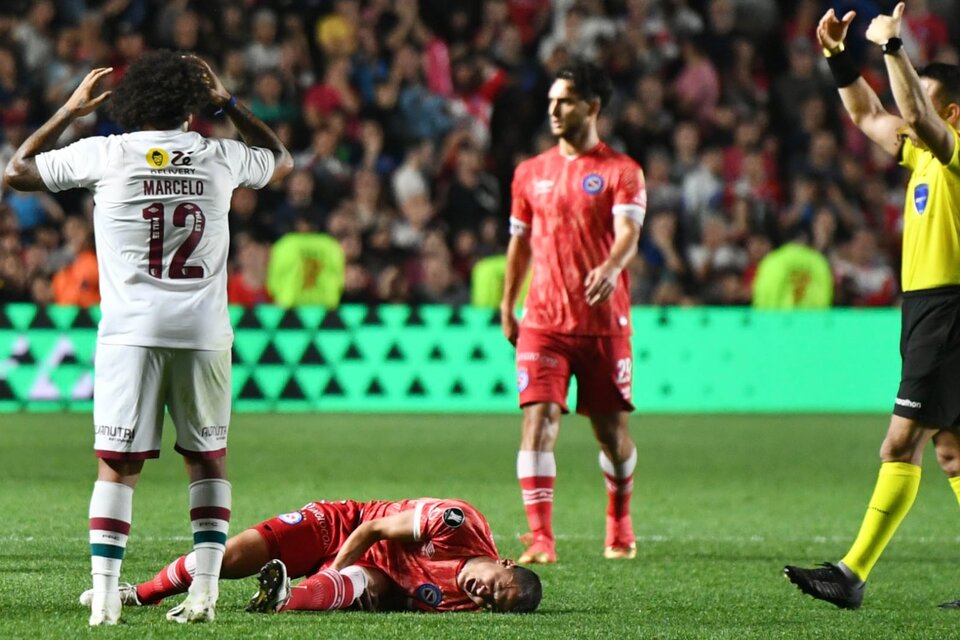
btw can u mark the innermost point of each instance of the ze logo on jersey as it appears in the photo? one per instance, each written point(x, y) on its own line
point(158, 158)
point(453, 517)
point(429, 593)
point(921, 193)
point(592, 183)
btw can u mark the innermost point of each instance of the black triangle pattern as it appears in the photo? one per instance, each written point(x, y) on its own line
point(251, 390)
point(416, 388)
point(478, 354)
point(456, 318)
point(290, 320)
point(458, 389)
point(6, 393)
point(292, 390)
point(332, 321)
point(436, 353)
point(372, 317)
point(375, 388)
point(83, 320)
point(499, 389)
point(270, 355)
point(352, 353)
point(312, 355)
point(395, 353)
point(414, 319)
point(41, 319)
point(249, 320)
point(333, 387)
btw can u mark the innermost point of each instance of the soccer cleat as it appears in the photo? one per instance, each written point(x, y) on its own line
point(828, 582)
point(539, 550)
point(953, 604)
point(196, 607)
point(105, 609)
point(274, 590)
point(620, 552)
point(128, 596)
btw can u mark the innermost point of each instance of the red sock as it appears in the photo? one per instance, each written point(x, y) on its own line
point(173, 579)
point(537, 472)
point(619, 481)
point(322, 591)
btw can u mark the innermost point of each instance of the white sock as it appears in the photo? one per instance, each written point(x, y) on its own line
point(111, 511)
point(210, 502)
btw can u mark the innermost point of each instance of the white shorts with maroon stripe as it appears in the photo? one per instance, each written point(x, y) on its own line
point(133, 385)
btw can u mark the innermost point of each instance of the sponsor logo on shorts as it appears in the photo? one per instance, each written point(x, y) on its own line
point(453, 517)
point(912, 404)
point(294, 517)
point(592, 183)
point(213, 432)
point(535, 356)
point(523, 379)
point(429, 594)
point(921, 193)
point(114, 434)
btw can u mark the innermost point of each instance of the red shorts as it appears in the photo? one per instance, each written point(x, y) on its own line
point(603, 366)
point(308, 539)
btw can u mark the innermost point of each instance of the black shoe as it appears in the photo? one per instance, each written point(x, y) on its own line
point(828, 582)
point(955, 604)
point(274, 591)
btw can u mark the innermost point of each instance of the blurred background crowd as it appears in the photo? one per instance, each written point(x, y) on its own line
point(406, 119)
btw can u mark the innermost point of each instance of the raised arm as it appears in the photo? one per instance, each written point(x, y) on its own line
point(860, 101)
point(254, 131)
point(912, 99)
point(21, 172)
point(398, 528)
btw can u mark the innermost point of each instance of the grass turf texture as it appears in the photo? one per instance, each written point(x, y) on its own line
point(721, 504)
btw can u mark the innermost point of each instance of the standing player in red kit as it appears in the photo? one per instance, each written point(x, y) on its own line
point(576, 216)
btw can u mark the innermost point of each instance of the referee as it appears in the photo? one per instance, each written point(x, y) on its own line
point(925, 140)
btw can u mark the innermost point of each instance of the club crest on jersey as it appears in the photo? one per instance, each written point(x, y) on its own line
point(294, 517)
point(157, 158)
point(429, 594)
point(523, 379)
point(592, 183)
point(921, 193)
point(453, 517)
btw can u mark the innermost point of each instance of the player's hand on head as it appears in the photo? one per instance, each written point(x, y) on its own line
point(832, 31)
point(82, 101)
point(218, 93)
point(882, 28)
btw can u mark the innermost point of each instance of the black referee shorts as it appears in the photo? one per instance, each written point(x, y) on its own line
point(930, 349)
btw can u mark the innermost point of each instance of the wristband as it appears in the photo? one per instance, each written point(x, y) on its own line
point(843, 68)
point(829, 53)
point(232, 102)
point(891, 46)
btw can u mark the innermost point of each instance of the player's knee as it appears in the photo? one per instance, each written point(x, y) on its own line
point(898, 450)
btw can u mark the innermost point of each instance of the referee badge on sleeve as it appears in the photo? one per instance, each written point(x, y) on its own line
point(921, 193)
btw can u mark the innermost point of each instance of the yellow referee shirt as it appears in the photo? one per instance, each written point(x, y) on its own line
point(931, 218)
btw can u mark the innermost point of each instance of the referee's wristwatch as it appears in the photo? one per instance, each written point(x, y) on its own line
point(891, 46)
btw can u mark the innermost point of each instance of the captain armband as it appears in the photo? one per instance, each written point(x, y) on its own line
point(518, 227)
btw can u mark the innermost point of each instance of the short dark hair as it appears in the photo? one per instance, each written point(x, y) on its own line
point(948, 75)
point(160, 89)
point(589, 81)
point(530, 590)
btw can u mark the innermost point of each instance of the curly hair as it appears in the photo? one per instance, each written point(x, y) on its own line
point(159, 90)
point(590, 81)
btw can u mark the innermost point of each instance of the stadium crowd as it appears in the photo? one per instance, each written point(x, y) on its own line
point(407, 118)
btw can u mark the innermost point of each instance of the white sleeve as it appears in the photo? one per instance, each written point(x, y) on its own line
point(251, 166)
point(79, 165)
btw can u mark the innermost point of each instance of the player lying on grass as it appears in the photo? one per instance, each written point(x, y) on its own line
point(423, 554)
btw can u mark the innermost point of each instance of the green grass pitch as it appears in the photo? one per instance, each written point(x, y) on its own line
point(721, 503)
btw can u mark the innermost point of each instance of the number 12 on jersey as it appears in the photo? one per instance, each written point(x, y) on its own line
point(178, 265)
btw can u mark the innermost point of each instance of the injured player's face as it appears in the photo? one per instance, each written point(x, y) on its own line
point(490, 583)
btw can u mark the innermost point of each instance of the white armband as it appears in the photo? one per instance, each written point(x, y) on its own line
point(518, 227)
point(633, 211)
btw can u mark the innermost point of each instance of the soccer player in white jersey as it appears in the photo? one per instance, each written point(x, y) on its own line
point(161, 196)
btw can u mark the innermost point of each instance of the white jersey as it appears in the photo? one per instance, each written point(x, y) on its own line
point(160, 220)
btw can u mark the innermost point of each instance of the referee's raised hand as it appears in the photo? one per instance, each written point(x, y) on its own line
point(882, 28)
point(832, 31)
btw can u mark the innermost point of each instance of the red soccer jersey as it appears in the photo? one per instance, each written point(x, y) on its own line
point(448, 533)
point(567, 206)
